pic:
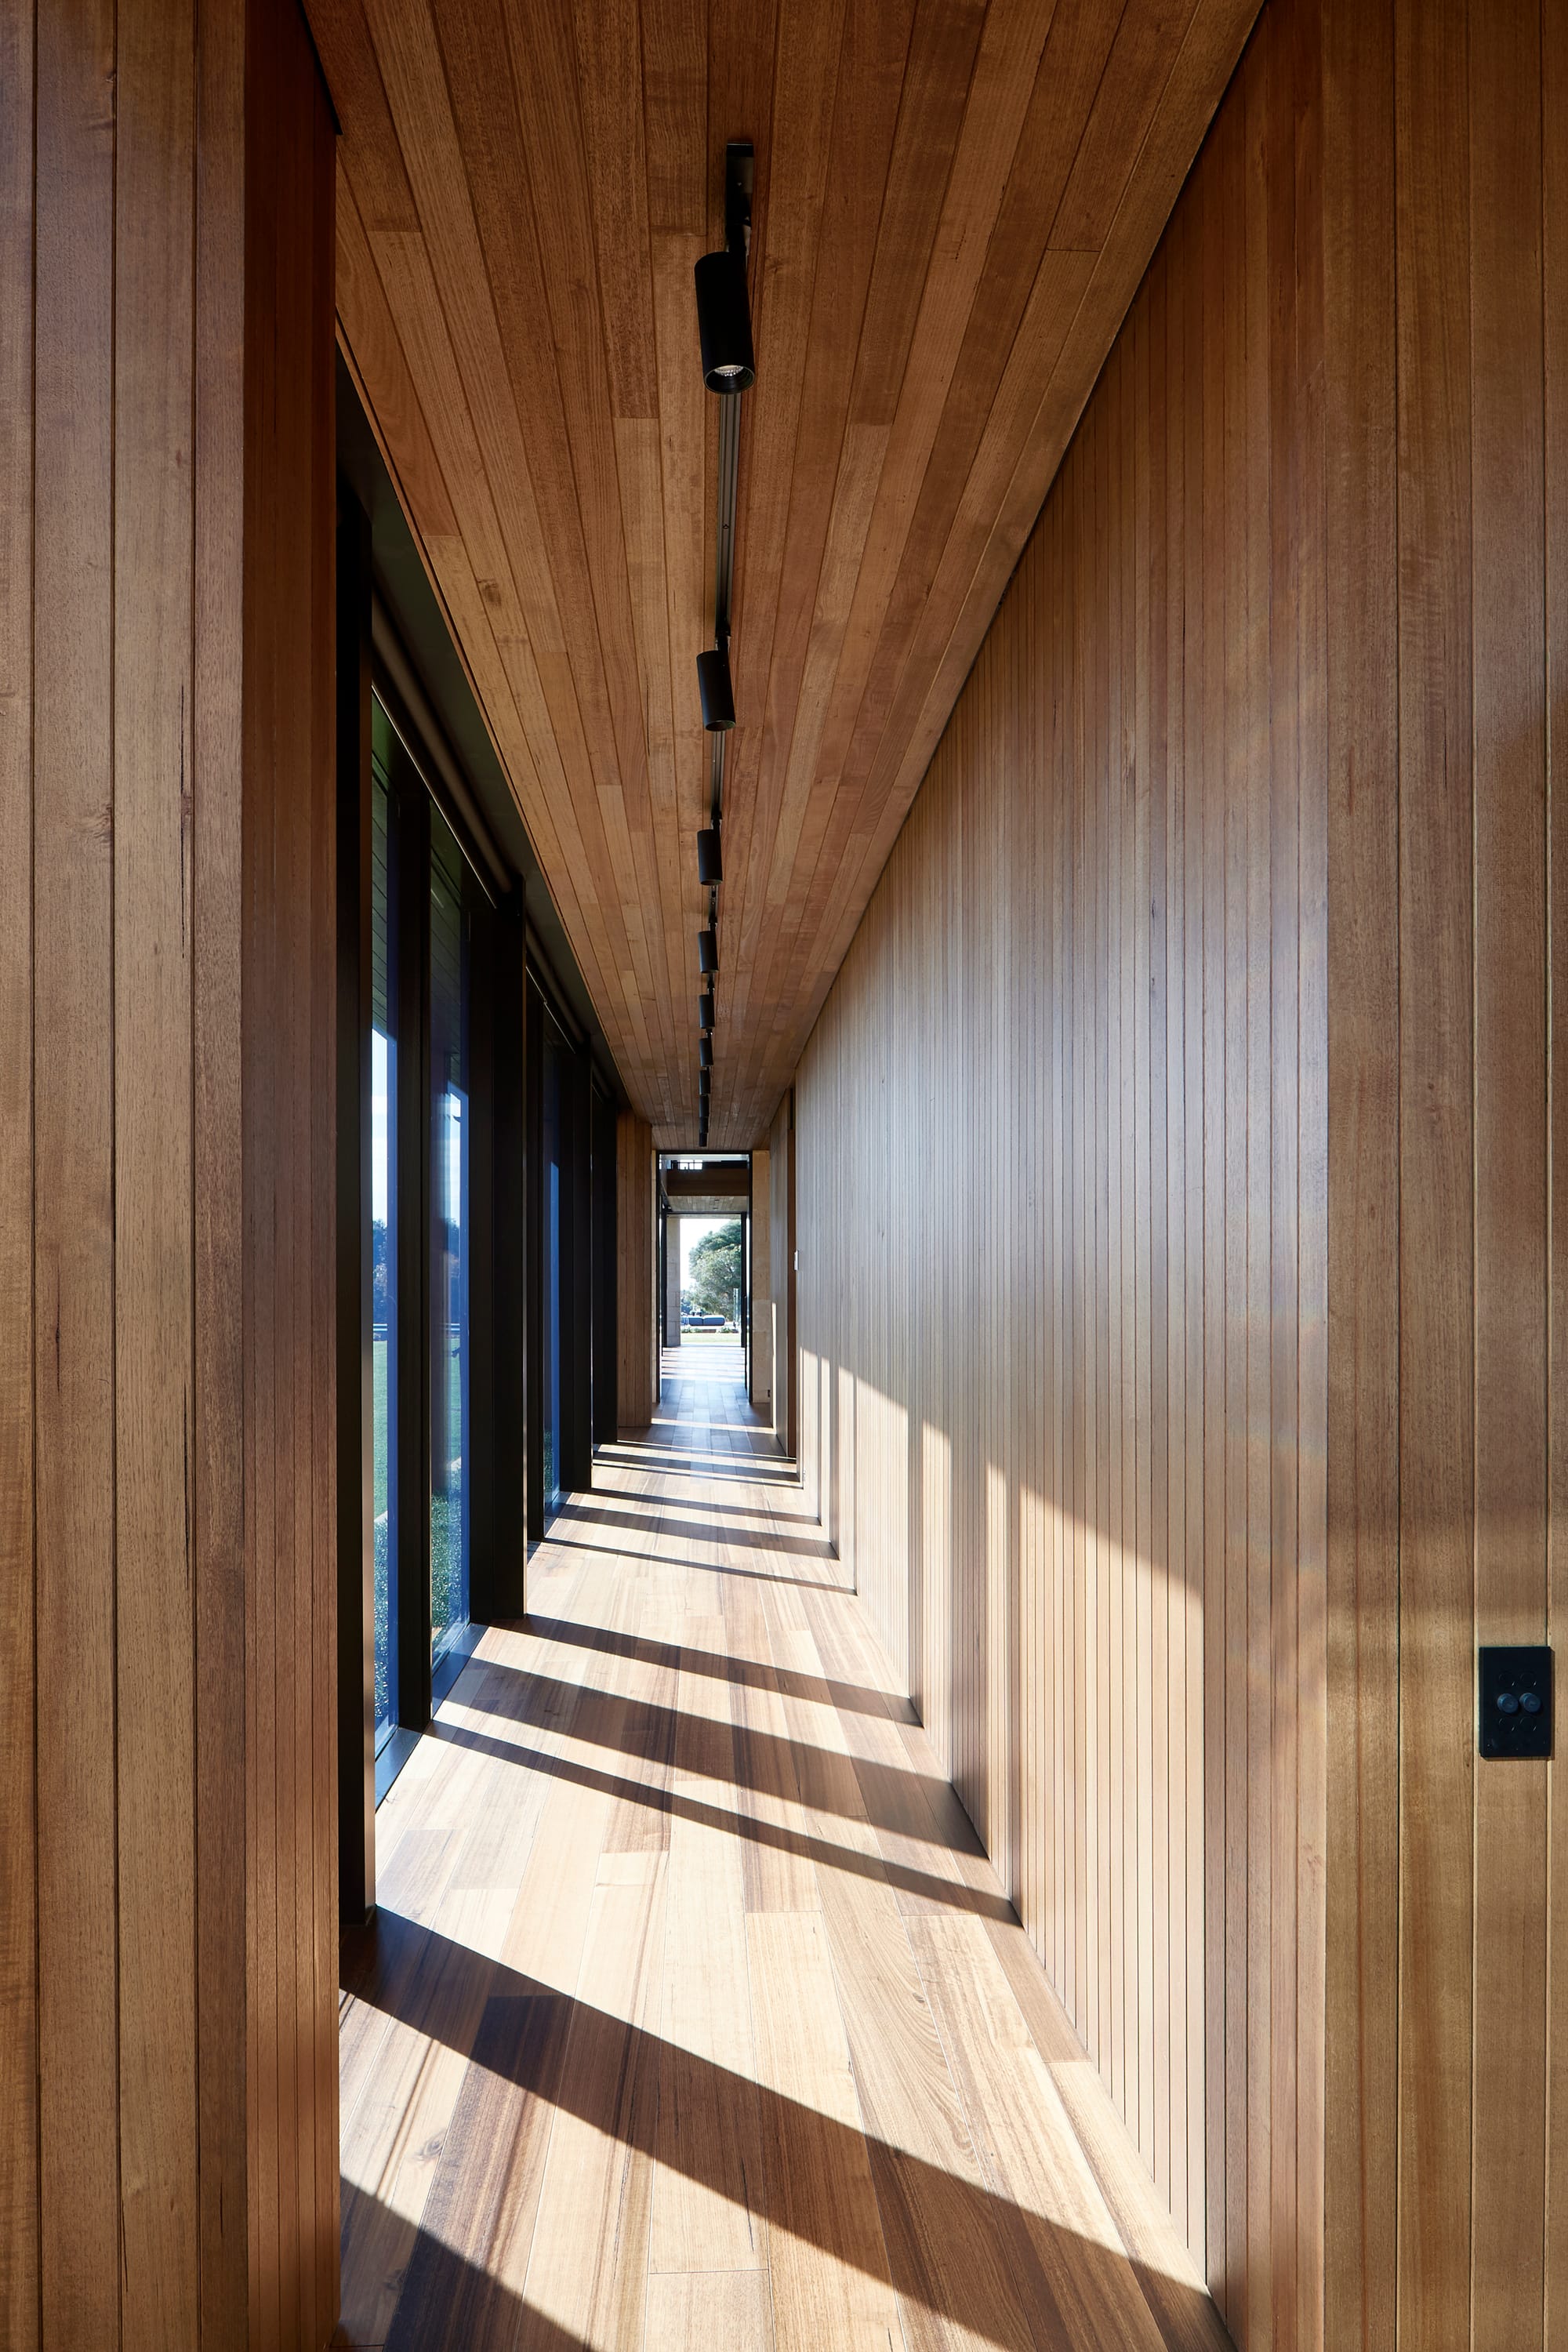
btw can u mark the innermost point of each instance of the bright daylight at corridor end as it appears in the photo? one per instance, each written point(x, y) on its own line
point(784, 1175)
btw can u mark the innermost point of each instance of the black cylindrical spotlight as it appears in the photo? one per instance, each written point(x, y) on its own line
point(705, 1050)
point(707, 951)
point(718, 694)
point(724, 322)
point(704, 1082)
point(705, 1010)
point(709, 856)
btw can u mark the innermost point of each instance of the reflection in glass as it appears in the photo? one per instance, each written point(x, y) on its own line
point(555, 1120)
point(449, 1243)
point(383, 1252)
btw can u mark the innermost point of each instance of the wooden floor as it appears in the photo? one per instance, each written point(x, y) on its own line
point(693, 2014)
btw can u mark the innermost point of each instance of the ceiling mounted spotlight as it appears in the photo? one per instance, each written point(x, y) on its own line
point(716, 693)
point(724, 322)
point(707, 951)
point(705, 1050)
point(709, 856)
point(705, 1010)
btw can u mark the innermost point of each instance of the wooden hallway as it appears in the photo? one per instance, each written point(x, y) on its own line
point(693, 2014)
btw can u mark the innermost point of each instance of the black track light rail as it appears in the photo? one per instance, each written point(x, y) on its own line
point(724, 573)
point(724, 321)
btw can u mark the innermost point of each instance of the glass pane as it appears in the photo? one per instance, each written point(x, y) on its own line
point(553, 1140)
point(384, 1251)
point(450, 1242)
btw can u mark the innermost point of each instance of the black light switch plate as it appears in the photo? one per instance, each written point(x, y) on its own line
point(1516, 1702)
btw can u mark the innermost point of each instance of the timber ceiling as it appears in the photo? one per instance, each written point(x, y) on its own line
point(954, 204)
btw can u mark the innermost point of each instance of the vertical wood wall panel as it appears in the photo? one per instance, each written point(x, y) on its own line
point(1181, 1193)
point(72, 702)
point(168, 1958)
point(761, 1284)
point(637, 1272)
point(787, 1369)
point(19, 1890)
point(1554, 266)
point(1052, 1121)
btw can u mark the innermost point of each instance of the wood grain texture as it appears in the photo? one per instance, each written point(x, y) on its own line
point(606, 2081)
point(1065, 1523)
point(954, 208)
point(18, 1764)
point(1184, 1486)
point(761, 1281)
point(637, 1273)
point(786, 1377)
point(169, 1953)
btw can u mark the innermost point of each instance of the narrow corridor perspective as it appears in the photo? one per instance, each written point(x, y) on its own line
point(693, 2014)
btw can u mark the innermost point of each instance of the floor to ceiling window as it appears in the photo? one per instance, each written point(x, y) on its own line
point(461, 1209)
point(451, 1335)
point(429, 1423)
point(383, 1206)
point(553, 1203)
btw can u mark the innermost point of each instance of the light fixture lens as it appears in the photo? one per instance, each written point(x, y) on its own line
point(713, 686)
point(705, 1050)
point(724, 322)
point(705, 1010)
point(707, 951)
point(710, 858)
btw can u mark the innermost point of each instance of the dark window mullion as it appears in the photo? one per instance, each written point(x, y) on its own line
point(412, 819)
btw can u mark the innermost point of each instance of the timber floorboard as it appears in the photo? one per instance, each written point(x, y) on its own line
point(693, 2013)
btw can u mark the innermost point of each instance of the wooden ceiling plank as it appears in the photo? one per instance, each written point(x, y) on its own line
point(427, 84)
point(397, 417)
point(592, 572)
point(387, 393)
point(999, 94)
point(456, 287)
point(403, 265)
point(549, 719)
point(388, 396)
point(675, 68)
point(822, 504)
point(675, 39)
point(642, 508)
point(392, 404)
point(353, 76)
point(859, 471)
point(937, 76)
point(479, 387)
point(607, 43)
point(1001, 87)
point(1070, 84)
point(803, 118)
point(687, 562)
point(1148, 39)
point(554, 154)
point(515, 284)
point(875, 814)
point(834, 877)
point(996, 110)
point(805, 97)
point(996, 516)
point(609, 46)
point(742, 71)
